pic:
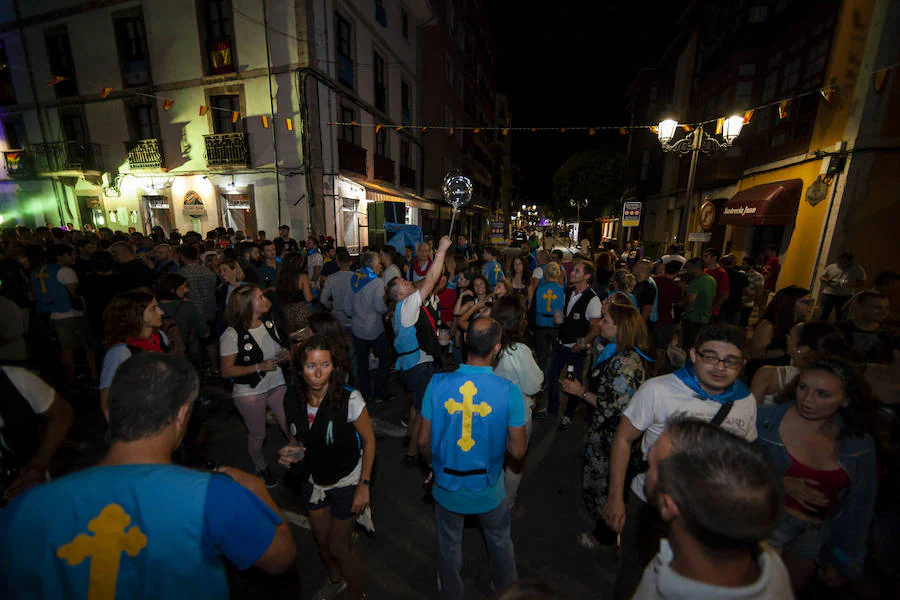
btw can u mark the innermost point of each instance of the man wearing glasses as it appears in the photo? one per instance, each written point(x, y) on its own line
point(706, 388)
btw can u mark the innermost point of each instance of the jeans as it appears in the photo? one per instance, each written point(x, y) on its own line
point(514, 468)
point(495, 525)
point(416, 381)
point(544, 337)
point(382, 349)
point(253, 411)
point(830, 301)
point(559, 358)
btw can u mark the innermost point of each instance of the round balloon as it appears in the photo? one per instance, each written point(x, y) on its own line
point(457, 189)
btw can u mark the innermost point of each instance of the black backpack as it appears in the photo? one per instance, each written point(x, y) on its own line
point(426, 336)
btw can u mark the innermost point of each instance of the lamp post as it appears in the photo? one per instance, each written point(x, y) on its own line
point(696, 142)
point(578, 205)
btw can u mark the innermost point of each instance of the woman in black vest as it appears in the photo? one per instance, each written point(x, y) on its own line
point(332, 425)
point(250, 351)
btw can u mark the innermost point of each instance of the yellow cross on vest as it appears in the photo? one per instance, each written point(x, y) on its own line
point(549, 296)
point(42, 276)
point(358, 275)
point(104, 549)
point(483, 409)
point(497, 271)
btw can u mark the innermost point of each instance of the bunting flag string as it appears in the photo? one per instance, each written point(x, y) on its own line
point(105, 92)
point(783, 112)
point(167, 104)
point(828, 93)
point(289, 124)
point(204, 110)
point(264, 120)
point(56, 79)
point(235, 116)
point(880, 79)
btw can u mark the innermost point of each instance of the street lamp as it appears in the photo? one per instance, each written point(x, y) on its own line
point(696, 142)
point(578, 205)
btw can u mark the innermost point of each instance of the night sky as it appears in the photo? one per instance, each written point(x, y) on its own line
point(570, 64)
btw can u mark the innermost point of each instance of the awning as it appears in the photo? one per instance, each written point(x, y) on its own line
point(769, 204)
point(383, 192)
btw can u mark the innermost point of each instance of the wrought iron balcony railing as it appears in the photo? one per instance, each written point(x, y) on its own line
point(227, 150)
point(384, 169)
point(352, 157)
point(408, 177)
point(146, 154)
point(52, 157)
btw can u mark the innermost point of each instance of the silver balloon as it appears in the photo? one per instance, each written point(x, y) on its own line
point(457, 189)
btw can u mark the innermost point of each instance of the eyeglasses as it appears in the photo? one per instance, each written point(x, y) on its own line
point(730, 362)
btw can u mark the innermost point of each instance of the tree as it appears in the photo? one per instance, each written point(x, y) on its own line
point(596, 175)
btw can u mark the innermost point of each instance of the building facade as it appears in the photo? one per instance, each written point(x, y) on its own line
point(734, 56)
point(151, 113)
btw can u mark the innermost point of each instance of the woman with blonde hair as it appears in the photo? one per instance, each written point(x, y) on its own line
point(614, 377)
point(250, 351)
point(624, 282)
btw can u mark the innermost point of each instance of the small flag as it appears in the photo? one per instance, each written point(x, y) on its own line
point(591, 131)
point(476, 130)
point(562, 129)
point(56, 79)
point(504, 131)
point(623, 131)
point(204, 110)
point(452, 130)
point(377, 128)
point(828, 93)
point(747, 116)
point(687, 128)
point(235, 115)
point(398, 128)
point(424, 129)
point(167, 104)
point(880, 79)
point(720, 122)
point(105, 92)
point(654, 129)
point(289, 124)
point(534, 129)
point(264, 119)
point(783, 109)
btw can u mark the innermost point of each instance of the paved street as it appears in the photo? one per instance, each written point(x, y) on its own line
point(401, 559)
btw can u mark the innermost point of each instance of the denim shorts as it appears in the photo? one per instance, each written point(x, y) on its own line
point(797, 536)
point(339, 500)
point(416, 381)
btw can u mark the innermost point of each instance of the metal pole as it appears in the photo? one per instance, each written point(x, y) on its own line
point(272, 108)
point(695, 152)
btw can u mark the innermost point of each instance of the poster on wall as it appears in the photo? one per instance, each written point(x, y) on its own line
point(498, 232)
point(631, 214)
point(193, 204)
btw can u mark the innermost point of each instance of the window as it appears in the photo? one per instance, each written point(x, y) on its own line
point(14, 132)
point(816, 58)
point(404, 23)
point(378, 70)
point(59, 53)
point(770, 85)
point(344, 50)
point(405, 103)
point(758, 14)
point(405, 154)
point(71, 123)
point(222, 109)
point(219, 25)
point(381, 143)
point(7, 91)
point(348, 132)
point(132, 42)
point(743, 95)
point(791, 75)
point(380, 13)
point(143, 121)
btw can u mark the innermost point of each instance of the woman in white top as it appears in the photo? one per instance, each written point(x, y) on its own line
point(250, 351)
point(804, 340)
point(516, 363)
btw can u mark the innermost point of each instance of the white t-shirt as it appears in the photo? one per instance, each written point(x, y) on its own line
point(852, 274)
point(662, 397)
point(391, 272)
point(66, 276)
point(409, 314)
point(538, 273)
point(518, 366)
point(312, 261)
point(355, 407)
point(660, 581)
point(228, 346)
point(667, 258)
point(34, 389)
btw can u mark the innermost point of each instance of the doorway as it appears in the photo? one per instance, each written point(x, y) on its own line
point(238, 212)
point(157, 212)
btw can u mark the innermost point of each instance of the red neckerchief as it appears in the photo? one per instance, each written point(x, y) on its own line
point(421, 272)
point(153, 344)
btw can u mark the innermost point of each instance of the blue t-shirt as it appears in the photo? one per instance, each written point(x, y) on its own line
point(473, 503)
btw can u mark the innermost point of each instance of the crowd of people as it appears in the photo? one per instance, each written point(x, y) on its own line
point(720, 410)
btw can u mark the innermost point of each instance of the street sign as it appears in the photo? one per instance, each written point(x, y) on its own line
point(699, 236)
point(498, 232)
point(707, 215)
point(631, 214)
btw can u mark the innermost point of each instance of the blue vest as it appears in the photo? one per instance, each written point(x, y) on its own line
point(493, 271)
point(405, 342)
point(548, 298)
point(156, 513)
point(50, 295)
point(468, 452)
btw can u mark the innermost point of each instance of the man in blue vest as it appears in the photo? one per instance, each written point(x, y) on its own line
point(55, 287)
point(470, 419)
point(414, 366)
point(549, 304)
point(136, 526)
point(491, 268)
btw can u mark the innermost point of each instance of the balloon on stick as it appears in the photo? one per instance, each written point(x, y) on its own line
point(457, 190)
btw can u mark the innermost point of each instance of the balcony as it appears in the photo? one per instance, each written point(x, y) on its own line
point(408, 177)
point(224, 150)
point(145, 154)
point(384, 169)
point(352, 157)
point(71, 157)
point(19, 163)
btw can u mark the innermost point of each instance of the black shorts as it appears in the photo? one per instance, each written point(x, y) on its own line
point(339, 500)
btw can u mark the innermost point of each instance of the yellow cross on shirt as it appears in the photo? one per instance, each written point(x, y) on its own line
point(549, 296)
point(482, 409)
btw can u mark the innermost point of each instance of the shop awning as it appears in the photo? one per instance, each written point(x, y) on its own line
point(769, 204)
point(383, 192)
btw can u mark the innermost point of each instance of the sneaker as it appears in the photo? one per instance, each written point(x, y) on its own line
point(330, 590)
point(266, 476)
point(564, 423)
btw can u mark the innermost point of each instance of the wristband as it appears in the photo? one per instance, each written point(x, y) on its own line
point(364, 482)
point(257, 368)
